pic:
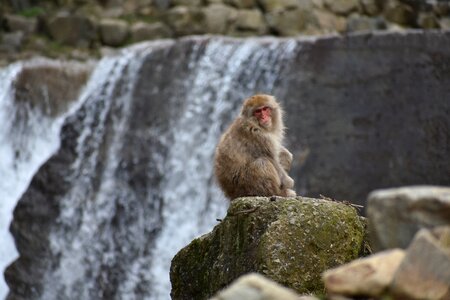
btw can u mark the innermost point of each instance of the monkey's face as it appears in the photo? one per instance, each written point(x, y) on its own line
point(264, 116)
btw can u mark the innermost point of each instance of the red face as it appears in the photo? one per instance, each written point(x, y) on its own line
point(264, 115)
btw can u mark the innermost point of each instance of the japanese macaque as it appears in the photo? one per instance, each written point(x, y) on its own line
point(250, 159)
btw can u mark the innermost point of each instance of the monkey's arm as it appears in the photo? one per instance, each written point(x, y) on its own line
point(285, 158)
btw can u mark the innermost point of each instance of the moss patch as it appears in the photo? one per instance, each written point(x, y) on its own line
point(291, 240)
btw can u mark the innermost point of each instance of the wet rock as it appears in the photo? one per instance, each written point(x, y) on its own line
point(113, 32)
point(291, 241)
point(395, 215)
point(19, 23)
point(73, 30)
point(186, 20)
point(142, 31)
point(342, 7)
point(218, 17)
point(370, 276)
point(256, 287)
point(425, 270)
point(400, 13)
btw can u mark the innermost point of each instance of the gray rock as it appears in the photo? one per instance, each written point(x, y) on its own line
point(370, 276)
point(425, 270)
point(251, 19)
point(395, 215)
point(19, 23)
point(142, 31)
point(342, 7)
point(290, 240)
point(255, 286)
point(218, 17)
point(73, 30)
point(113, 32)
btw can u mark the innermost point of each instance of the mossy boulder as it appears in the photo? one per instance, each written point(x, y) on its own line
point(290, 240)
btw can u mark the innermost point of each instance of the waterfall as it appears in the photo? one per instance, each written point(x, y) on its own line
point(136, 183)
point(28, 136)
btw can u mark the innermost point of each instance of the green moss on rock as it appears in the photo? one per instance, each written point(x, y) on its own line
point(290, 240)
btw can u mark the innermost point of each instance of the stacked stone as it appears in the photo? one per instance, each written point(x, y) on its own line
point(115, 23)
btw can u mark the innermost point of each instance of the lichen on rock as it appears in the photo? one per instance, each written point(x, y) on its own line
point(290, 240)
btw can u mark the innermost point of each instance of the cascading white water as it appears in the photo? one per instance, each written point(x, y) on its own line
point(92, 251)
point(192, 201)
point(28, 137)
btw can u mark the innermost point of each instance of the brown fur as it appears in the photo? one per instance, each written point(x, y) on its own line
point(250, 159)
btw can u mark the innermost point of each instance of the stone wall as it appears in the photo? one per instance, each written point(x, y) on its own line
point(54, 28)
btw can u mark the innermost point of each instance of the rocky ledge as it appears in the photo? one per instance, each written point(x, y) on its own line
point(290, 240)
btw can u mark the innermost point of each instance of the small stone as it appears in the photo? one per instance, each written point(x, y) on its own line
point(250, 19)
point(141, 31)
point(19, 23)
point(113, 32)
point(362, 23)
point(186, 20)
point(444, 23)
point(342, 7)
point(395, 215)
point(12, 42)
point(329, 22)
point(441, 8)
point(369, 276)
point(218, 17)
point(241, 3)
point(73, 30)
point(186, 2)
point(425, 270)
point(370, 7)
point(255, 286)
point(400, 13)
point(278, 5)
point(291, 22)
point(427, 20)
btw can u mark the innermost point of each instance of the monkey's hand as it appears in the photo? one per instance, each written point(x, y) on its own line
point(285, 158)
point(287, 182)
point(290, 193)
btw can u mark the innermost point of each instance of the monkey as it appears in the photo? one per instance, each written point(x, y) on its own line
point(249, 158)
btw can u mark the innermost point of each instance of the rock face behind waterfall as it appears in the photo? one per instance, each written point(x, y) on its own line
point(292, 241)
point(132, 181)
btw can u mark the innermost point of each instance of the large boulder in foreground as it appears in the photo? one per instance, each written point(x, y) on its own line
point(290, 240)
point(395, 215)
